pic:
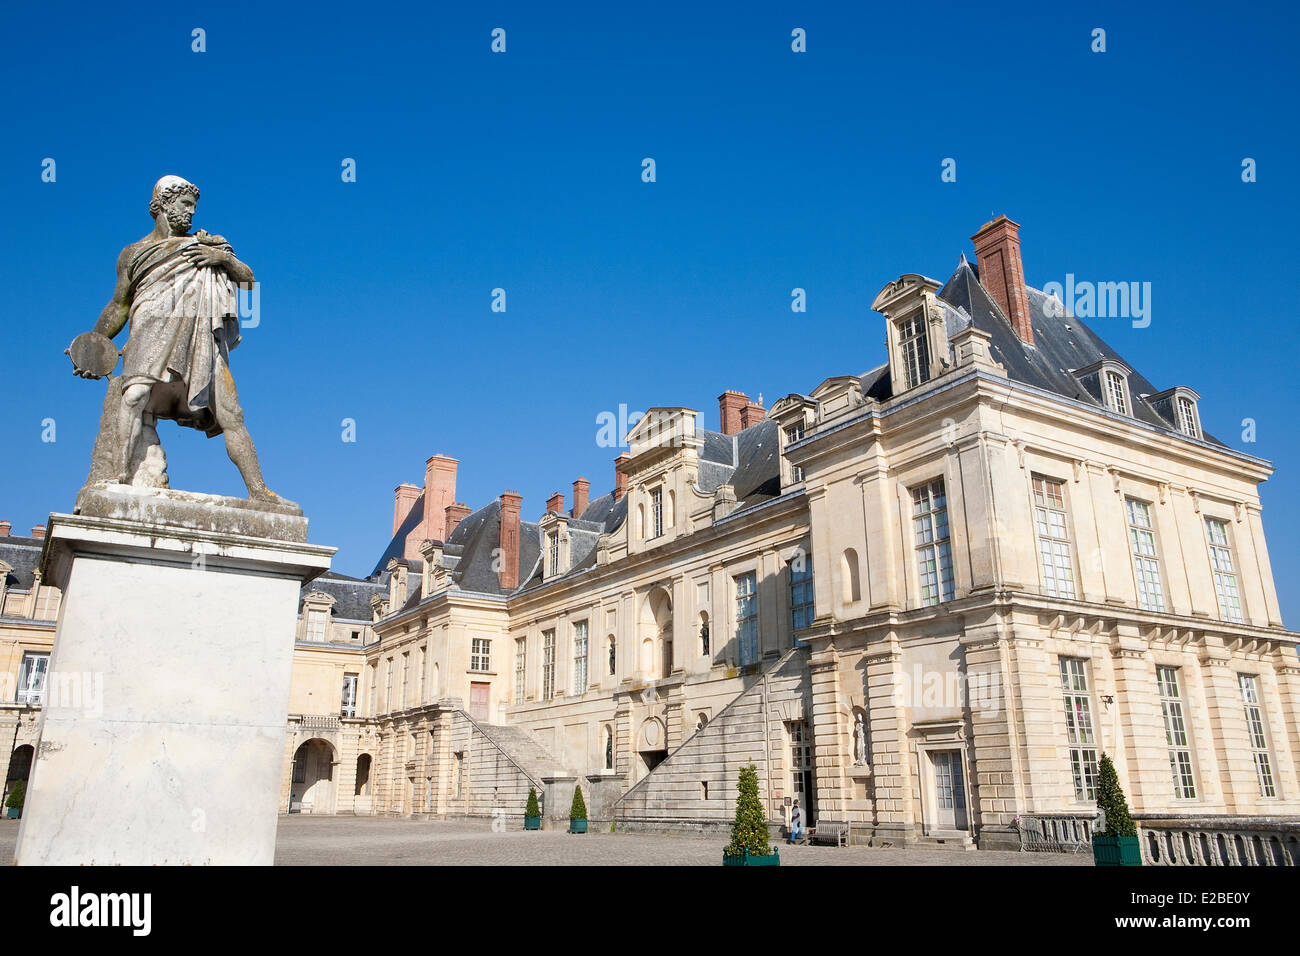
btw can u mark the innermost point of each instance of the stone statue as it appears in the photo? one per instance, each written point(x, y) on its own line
point(177, 291)
point(859, 739)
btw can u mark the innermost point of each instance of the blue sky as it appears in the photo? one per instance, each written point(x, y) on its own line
point(523, 171)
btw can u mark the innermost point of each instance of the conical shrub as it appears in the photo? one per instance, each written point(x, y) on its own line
point(532, 810)
point(1112, 802)
point(749, 830)
point(578, 809)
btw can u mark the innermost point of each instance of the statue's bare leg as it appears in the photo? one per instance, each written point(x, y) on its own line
point(239, 444)
point(130, 423)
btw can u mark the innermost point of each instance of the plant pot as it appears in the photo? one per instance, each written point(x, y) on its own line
point(744, 859)
point(577, 826)
point(1110, 850)
point(13, 813)
point(532, 823)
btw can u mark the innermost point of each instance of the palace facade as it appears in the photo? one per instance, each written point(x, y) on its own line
point(922, 600)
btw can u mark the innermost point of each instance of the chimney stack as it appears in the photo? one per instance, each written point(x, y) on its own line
point(997, 252)
point(404, 496)
point(4, 529)
point(38, 531)
point(620, 478)
point(456, 513)
point(508, 568)
point(439, 492)
point(555, 503)
point(581, 488)
point(736, 412)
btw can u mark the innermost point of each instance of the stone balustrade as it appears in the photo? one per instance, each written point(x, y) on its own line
point(1218, 840)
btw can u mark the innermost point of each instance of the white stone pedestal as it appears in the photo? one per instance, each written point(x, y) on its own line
point(163, 730)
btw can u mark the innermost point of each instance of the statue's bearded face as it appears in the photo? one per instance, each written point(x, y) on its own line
point(179, 210)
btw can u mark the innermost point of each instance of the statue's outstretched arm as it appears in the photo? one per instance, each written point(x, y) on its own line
point(118, 310)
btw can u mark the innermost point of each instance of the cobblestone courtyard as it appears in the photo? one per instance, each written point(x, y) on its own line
point(382, 841)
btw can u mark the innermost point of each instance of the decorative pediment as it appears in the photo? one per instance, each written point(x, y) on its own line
point(661, 428)
point(902, 290)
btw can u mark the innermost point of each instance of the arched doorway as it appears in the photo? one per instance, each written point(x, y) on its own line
point(20, 766)
point(312, 790)
point(656, 632)
point(362, 788)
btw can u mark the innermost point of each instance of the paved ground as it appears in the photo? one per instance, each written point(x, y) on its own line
point(383, 841)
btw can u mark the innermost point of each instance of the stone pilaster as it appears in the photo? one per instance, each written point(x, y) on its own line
point(896, 820)
point(1141, 733)
point(828, 726)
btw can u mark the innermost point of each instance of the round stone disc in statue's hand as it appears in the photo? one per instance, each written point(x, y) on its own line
point(93, 354)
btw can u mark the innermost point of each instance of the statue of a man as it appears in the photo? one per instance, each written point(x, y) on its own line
point(859, 739)
point(177, 291)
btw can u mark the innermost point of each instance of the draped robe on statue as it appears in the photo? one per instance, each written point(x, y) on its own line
point(183, 317)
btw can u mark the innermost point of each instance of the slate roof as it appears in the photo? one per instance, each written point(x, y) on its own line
point(24, 555)
point(351, 595)
point(1062, 345)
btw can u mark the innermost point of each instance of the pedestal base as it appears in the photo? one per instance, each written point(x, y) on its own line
point(163, 729)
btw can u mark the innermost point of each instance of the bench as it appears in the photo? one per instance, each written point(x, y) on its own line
point(829, 833)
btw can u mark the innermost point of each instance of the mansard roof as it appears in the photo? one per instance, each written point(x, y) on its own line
point(351, 595)
point(24, 556)
point(1063, 344)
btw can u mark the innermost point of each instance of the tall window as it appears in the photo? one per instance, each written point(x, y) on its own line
point(548, 664)
point(1225, 572)
point(349, 705)
point(1115, 395)
point(793, 434)
point(1054, 555)
point(1187, 421)
point(31, 678)
point(521, 665)
point(656, 512)
point(580, 657)
point(480, 654)
point(1258, 739)
point(1146, 562)
point(1180, 754)
point(1078, 727)
point(316, 626)
point(933, 549)
point(553, 551)
point(388, 687)
point(374, 689)
point(747, 617)
point(406, 667)
point(915, 350)
point(801, 592)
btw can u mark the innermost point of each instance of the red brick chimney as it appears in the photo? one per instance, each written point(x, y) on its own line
point(997, 251)
point(456, 513)
point(752, 414)
point(38, 531)
point(555, 503)
point(731, 406)
point(4, 529)
point(581, 488)
point(439, 492)
point(620, 477)
point(508, 567)
point(404, 496)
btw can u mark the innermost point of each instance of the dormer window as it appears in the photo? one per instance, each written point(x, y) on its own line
point(553, 550)
point(793, 434)
point(656, 512)
point(914, 349)
point(1188, 423)
point(1116, 396)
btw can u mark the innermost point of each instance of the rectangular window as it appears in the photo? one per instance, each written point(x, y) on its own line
point(1225, 571)
point(316, 626)
point(1258, 739)
point(480, 654)
point(31, 678)
point(548, 665)
point(553, 551)
point(521, 667)
point(1146, 562)
point(388, 687)
point(349, 705)
point(933, 549)
point(747, 617)
point(580, 657)
point(406, 668)
point(1180, 753)
point(1078, 727)
point(1115, 396)
point(657, 512)
point(1187, 423)
point(793, 434)
point(374, 689)
point(915, 349)
point(1054, 554)
point(801, 592)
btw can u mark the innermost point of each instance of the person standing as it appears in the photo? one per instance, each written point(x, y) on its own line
point(796, 823)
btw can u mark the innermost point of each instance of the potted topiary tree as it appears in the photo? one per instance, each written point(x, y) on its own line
point(749, 844)
point(15, 801)
point(1118, 845)
point(532, 813)
point(577, 813)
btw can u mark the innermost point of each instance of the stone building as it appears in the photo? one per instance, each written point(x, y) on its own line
point(922, 600)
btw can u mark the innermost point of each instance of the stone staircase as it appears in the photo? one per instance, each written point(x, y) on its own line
point(523, 749)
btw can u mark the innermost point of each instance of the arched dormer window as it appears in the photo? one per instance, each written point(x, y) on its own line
point(1180, 407)
point(1107, 381)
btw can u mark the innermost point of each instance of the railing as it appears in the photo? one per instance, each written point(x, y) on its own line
point(1219, 840)
point(1056, 832)
point(319, 722)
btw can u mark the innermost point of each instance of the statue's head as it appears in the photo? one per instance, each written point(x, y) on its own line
point(176, 198)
